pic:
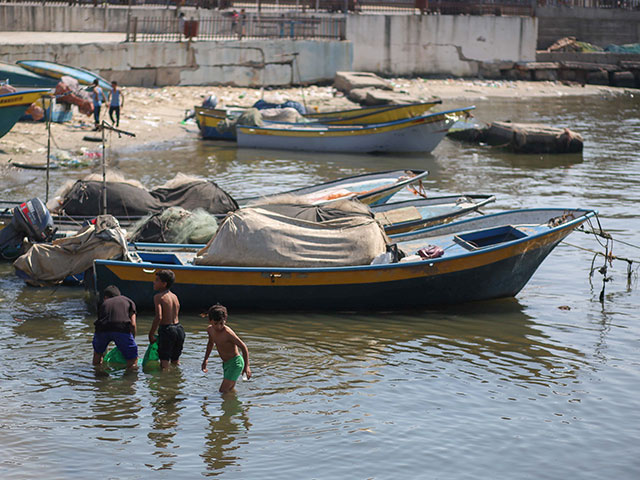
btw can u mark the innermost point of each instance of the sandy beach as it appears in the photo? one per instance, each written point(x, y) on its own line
point(156, 115)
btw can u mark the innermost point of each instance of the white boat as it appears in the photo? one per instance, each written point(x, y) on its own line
point(417, 134)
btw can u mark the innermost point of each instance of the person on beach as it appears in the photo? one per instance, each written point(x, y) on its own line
point(116, 321)
point(227, 344)
point(116, 101)
point(170, 333)
point(97, 95)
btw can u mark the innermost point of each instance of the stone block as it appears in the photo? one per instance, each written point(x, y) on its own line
point(624, 79)
point(347, 81)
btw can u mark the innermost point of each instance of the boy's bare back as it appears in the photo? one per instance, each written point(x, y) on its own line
point(167, 306)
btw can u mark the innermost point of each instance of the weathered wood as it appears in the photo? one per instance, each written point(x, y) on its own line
point(523, 137)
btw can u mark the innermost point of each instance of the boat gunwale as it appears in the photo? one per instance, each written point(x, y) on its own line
point(571, 224)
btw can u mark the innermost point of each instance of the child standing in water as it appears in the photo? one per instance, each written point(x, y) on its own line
point(170, 333)
point(227, 344)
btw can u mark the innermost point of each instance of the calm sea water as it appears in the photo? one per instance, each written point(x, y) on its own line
point(517, 388)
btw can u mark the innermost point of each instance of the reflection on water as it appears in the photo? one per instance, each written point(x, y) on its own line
point(228, 427)
point(459, 392)
point(165, 388)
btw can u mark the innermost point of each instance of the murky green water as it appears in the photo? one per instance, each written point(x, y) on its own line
point(516, 388)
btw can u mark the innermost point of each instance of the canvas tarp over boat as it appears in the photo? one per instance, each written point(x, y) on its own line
point(342, 234)
point(50, 264)
point(127, 200)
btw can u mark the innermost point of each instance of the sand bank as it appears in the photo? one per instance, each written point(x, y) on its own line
point(156, 115)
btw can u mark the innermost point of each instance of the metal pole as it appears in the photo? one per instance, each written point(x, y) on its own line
point(104, 175)
point(48, 120)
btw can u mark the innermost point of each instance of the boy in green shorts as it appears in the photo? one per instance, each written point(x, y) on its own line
point(227, 344)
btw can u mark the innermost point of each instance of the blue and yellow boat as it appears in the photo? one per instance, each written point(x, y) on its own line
point(482, 258)
point(209, 118)
point(13, 105)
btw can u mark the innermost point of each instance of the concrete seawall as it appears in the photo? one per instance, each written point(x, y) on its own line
point(402, 45)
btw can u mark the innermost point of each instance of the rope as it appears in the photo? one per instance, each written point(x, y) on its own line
point(419, 189)
point(608, 255)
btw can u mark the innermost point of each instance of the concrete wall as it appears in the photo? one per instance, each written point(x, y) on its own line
point(246, 63)
point(598, 26)
point(62, 18)
point(438, 44)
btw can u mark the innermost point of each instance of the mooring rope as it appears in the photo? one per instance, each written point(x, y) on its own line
point(599, 233)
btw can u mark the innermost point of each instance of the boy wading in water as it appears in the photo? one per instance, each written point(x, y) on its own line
point(116, 321)
point(227, 344)
point(170, 333)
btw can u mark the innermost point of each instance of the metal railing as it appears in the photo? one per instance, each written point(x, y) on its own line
point(472, 7)
point(225, 27)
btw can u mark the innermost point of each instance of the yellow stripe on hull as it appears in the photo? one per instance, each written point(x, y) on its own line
point(349, 276)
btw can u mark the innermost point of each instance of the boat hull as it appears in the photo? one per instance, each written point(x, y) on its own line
point(13, 106)
point(418, 134)
point(485, 274)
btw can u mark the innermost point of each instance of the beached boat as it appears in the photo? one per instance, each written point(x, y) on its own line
point(477, 259)
point(209, 118)
point(418, 134)
point(58, 70)
point(13, 105)
point(16, 76)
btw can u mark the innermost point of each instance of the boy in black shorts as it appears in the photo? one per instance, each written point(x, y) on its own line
point(170, 333)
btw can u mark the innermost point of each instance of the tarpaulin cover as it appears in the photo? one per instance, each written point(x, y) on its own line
point(126, 200)
point(260, 237)
point(49, 264)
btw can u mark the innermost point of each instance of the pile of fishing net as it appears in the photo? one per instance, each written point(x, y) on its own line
point(175, 225)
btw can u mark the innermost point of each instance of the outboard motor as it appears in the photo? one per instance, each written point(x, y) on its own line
point(32, 220)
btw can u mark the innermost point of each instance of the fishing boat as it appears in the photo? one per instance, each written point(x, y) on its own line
point(417, 134)
point(208, 119)
point(17, 76)
point(13, 105)
point(129, 203)
point(483, 258)
point(58, 70)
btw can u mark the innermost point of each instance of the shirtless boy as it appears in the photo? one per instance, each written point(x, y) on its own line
point(227, 343)
point(170, 333)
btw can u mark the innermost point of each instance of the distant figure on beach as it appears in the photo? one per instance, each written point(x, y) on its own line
point(243, 24)
point(97, 95)
point(116, 321)
point(116, 101)
point(170, 333)
point(227, 344)
point(234, 22)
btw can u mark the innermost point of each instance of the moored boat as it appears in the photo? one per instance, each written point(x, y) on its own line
point(208, 119)
point(478, 259)
point(417, 134)
point(13, 105)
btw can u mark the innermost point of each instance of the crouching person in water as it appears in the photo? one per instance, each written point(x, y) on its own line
point(170, 333)
point(227, 343)
point(116, 321)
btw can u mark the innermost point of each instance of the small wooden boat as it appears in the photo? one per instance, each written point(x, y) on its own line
point(17, 76)
point(483, 258)
point(58, 70)
point(13, 105)
point(418, 134)
point(209, 118)
point(370, 188)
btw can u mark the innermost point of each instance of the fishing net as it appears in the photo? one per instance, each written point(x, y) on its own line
point(175, 225)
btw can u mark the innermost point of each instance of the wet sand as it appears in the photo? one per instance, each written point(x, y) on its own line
point(156, 115)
